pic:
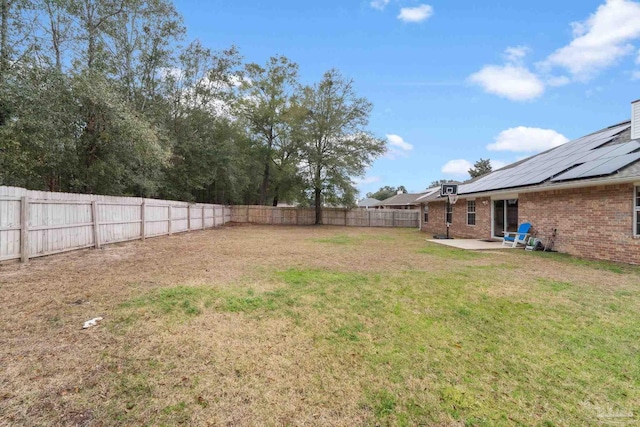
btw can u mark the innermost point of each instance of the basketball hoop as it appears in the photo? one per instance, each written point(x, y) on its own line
point(453, 198)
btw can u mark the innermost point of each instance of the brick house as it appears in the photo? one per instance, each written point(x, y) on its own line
point(587, 191)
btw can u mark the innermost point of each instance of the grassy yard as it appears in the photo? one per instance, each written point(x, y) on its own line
point(282, 326)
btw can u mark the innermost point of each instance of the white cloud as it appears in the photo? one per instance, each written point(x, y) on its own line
point(416, 14)
point(600, 40)
point(635, 75)
point(515, 53)
point(527, 139)
point(511, 81)
point(366, 180)
point(393, 153)
point(379, 4)
point(457, 167)
point(397, 141)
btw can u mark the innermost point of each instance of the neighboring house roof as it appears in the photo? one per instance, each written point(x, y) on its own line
point(431, 194)
point(368, 202)
point(404, 199)
point(604, 157)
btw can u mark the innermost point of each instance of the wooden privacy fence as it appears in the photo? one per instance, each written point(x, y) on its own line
point(38, 223)
point(330, 216)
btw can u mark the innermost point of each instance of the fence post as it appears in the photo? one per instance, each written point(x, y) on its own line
point(143, 223)
point(96, 224)
point(170, 221)
point(189, 217)
point(24, 229)
point(345, 217)
point(214, 215)
point(393, 218)
point(369, 220)
point(203, 215)
point(297, 216)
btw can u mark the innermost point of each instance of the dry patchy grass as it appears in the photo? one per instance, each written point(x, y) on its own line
point(317, 326)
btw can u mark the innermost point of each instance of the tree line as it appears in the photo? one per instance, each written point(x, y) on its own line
point(105, 96)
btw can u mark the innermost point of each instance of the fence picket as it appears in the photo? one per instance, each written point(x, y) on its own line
point(401, 218)
point(38, 223)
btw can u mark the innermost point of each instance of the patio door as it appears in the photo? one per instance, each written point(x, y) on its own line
point(505, 216)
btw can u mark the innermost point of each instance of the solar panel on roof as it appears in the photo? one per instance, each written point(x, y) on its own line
point(579, 170)
point(613, 165)
point(611, 151)
point(547, 165)
point(599, 167)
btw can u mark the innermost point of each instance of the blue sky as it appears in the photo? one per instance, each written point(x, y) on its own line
point(451, 82)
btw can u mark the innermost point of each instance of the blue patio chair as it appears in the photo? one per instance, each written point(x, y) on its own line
point(514, 237)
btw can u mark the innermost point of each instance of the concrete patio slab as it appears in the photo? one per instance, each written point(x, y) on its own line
point(470, 244)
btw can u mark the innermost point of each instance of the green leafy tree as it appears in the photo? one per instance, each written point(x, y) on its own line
point(141, 35)
point(387, 191)
point(481, 167)
point(212, 158)
point(118, 152)
point(265, 105)
point(335, 142)
point(37, 146)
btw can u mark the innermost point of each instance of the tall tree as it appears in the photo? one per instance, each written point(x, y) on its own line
point(212, 157)
point(265, 105)
point(94, 18)
point(141, 38)
point(15, 32)
point(480, 167)
point(57, 27)
point(16, 42)
point(336, 145)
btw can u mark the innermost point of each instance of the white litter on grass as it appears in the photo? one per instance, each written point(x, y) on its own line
point(92, 322)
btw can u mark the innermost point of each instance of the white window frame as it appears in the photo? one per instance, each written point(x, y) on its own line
point(425, 215)
point(470, 212)
point(636, 210)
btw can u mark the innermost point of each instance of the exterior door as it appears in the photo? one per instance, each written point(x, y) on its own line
point(498, 218)
point(505, 216)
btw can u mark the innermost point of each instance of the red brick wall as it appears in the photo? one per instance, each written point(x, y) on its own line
point(459, 227)
point(594, 222)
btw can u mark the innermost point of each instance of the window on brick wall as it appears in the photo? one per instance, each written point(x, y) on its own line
point(448, 213)
point(471, 212)
point(426, 214)
point(637, 211)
